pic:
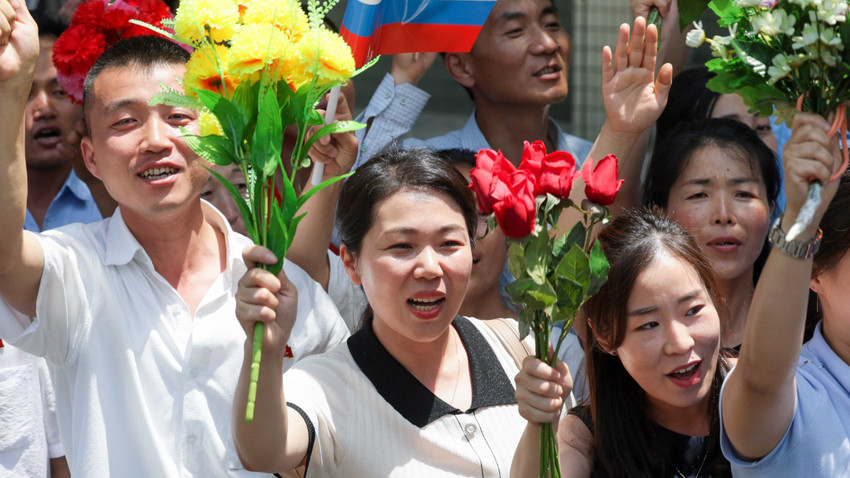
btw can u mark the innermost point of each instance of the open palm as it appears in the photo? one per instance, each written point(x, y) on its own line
point(633, 97)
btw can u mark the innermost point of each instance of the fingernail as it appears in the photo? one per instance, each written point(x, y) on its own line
point(270, 257)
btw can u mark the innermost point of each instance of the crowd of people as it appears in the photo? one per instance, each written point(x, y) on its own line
point(130, 293)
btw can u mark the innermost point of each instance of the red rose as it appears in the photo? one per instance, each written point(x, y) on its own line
point(553, 173)
point(516, 213)
point(601, 183)
point(490, 178)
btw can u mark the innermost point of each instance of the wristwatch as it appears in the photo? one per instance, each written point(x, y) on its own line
point(796, 249)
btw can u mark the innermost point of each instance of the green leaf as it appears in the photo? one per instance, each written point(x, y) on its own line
point(278, 238)
point(526, 316)
point(516, 290)
point(240, 202)
point(570, 295)
point(214, 149)
point(575, 266)
point(232, 120)
point(690, 11)
point(516, 259)
point(304, 197)
point(542, 297)
point(559, 247)
point(599, 267)
point(577, 235)
point(335, 127)
point(289, 204)
point(268, 136)
point(536, 256)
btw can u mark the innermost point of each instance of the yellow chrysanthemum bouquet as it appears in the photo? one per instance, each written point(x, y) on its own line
point(258, 67)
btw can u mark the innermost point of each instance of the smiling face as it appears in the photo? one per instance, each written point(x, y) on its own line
point(521, 55)
point(50, 115)
point(672, 336)
point(414, 265)
point(137, 149)
point(722, 203)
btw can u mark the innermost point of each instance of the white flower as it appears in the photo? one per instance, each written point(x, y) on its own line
point(696, 37)
point(774, 22)
point(747, 3)
point(768, 3)
point(719, 47)
point(780, 69)
point(808, 37)
point(832, 11)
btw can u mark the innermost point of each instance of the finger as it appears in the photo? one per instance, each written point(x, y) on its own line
point(621, 52)
point(607, 65)
point(650, 48)
point(254, 313)
point(663, 83)
point(636, 45)
point(257, 278)
point(253, 255)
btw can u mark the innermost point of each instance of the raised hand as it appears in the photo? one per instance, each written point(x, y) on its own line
point(18, 44)
point(337, 151)
point(262, 297)
point(633, 97)
point(809, 154)
point(542, 390)
point(411, 67)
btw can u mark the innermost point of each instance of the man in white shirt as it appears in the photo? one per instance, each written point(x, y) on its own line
point(135, 314)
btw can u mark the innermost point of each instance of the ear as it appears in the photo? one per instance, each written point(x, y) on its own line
point(815, 282)
point(349, 261)
point(460, 66)
point(658, 209)
point(88, 156)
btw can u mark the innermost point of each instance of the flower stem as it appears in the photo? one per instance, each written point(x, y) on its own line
point(256, 354)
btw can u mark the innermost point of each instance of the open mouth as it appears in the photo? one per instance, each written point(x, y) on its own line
point(47, 133)
point(157, 173)
point(548, 71)
point(425, 305)
point(685, 373)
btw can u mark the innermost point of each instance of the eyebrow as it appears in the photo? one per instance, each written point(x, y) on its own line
point(735, 181)
point(648, 310)
point(508, 16)
point(413, 230)
point(120, 104)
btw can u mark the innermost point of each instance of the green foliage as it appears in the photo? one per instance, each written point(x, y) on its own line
point(690, 11)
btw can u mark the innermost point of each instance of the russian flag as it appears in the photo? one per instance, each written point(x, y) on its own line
point(387, 27)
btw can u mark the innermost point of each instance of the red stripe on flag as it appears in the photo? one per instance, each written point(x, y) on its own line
point(411, 37)
point(1, 343)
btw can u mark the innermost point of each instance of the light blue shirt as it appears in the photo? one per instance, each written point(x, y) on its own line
point(73, 203)
point(817, 443)
point(395, 109)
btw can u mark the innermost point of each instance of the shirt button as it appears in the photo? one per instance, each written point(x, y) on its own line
point(404, 101)
point(363, 148)
point(470, 429)
point(387, 94)
point(191, 439)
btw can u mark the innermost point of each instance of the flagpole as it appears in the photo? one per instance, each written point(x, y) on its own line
point(330, 116)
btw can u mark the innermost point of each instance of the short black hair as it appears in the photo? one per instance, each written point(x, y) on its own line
point(143, 51)
point(48, 25)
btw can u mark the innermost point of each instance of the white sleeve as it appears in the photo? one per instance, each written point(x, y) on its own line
point(55, 448)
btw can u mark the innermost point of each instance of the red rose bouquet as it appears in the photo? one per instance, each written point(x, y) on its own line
point(95, 26)
point(554, 274)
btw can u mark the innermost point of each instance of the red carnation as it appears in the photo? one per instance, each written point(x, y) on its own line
point(76, 50)
point(601, 182)
point(89, 12)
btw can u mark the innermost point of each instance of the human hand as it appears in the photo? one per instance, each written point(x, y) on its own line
point(633, 97)
point(18, 43)
point(809, 154)
point(640, 8)
point(337, 151)
point(411, 67)
point(264, 298)
point(542, 390)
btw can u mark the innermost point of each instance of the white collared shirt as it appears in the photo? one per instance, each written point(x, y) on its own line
point(143, 389)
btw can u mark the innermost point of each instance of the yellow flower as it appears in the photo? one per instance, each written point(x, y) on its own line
point(195, 16)
point(254, 47)
point(286, 15)
point(323, 54)
point(209, 125)
point(203, 74)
